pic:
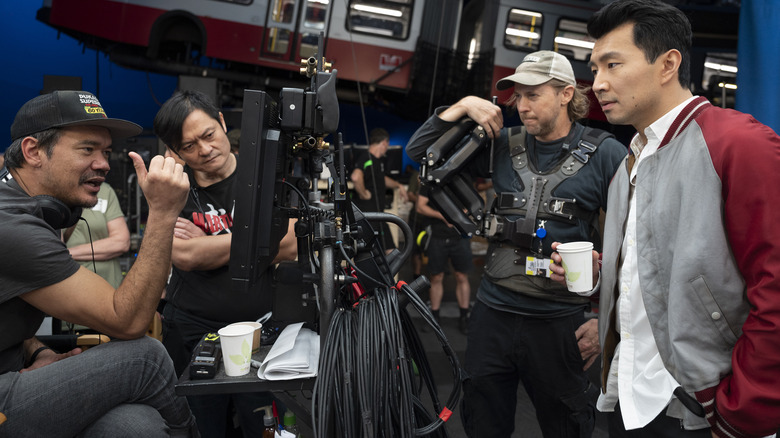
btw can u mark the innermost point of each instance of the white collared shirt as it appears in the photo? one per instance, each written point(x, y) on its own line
point(637, 378)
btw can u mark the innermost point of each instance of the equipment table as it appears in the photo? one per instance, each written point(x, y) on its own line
point(294, 394)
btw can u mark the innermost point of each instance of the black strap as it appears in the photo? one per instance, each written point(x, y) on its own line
point(34, 356)
point(589, 143)
point(689, 402)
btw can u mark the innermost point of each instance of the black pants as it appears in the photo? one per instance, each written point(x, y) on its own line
point(505, 349)
point(662, 426)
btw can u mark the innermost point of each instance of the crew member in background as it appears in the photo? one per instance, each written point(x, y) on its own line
point(416, 223)
point(524, 326)
point(446, 245)
point(199, 295)
point(370, 180)
point(101, 238)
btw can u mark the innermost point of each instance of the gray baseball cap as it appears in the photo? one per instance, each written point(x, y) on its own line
point(538, 68)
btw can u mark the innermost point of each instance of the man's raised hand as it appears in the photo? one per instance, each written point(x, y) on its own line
point(165, 185)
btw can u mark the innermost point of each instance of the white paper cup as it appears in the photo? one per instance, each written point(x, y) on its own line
point(257, 334)
point(578, 264)
point(236, 341)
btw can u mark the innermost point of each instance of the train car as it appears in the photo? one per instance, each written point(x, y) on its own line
point(272, 35)
point(405, 55)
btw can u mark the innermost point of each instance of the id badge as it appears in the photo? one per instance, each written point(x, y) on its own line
point(538, 267)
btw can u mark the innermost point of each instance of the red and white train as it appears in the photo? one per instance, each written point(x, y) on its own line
point(417, 52)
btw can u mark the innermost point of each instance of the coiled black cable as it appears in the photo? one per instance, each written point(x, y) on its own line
point(367, 369)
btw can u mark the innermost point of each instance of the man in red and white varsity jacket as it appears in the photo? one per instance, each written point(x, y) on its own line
point(690, 281)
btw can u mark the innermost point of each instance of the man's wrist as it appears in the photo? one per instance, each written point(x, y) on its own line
point(35, 354)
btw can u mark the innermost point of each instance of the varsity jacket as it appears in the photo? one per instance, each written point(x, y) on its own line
point(707, 223)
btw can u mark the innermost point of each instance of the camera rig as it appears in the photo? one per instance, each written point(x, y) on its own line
point(283, 152)
point(442, 171)
point(512, 216)
point(369, 347)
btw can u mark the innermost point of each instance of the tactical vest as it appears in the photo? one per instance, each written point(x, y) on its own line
point(511, 241)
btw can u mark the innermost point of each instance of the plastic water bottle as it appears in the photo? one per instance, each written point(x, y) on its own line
point(289, 423)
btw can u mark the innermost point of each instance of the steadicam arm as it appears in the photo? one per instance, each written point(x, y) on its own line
point(451, 193)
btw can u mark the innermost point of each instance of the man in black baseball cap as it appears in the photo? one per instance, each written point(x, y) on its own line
point(55, 165)
point(67, 108)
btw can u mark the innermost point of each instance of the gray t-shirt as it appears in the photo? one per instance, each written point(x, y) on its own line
point(32, 256)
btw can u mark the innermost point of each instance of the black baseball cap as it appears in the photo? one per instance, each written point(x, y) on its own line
point(67, 108)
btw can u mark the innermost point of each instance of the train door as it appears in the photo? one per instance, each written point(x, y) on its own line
point(279, 38)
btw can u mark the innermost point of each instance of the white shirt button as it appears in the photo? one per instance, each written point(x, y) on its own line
point(716, 315)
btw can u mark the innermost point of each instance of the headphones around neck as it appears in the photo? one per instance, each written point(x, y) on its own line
point(54, 212)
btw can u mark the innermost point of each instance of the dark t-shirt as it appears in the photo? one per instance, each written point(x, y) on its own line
point(439, 228)
point(32, 256)
point(374, 180)
point(208, 294)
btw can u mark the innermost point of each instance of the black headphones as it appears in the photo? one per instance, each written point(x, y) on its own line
point(55, 212)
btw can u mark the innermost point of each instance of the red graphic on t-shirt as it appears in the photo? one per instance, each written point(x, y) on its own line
point(213, 222)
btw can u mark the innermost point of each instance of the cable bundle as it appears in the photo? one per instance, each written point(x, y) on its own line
point(366, 385)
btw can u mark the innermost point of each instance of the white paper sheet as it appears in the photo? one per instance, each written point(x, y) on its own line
point(294, 355)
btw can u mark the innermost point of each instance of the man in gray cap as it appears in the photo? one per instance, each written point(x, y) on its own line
point(55, 165)
point(551, 177)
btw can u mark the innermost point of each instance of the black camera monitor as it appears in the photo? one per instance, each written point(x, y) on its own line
point(258, 226)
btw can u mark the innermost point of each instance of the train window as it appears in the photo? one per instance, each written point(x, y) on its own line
point(281, 11)
point(278, 41)
point(523, 30)
point(572, 40)
point(314, 17)
point(388, 18)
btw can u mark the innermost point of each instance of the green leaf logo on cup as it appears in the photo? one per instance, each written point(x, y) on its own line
point(243, 358)
point(577, 261)
point(571, 277)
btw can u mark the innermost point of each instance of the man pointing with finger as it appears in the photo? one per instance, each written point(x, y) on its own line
point(55, 166)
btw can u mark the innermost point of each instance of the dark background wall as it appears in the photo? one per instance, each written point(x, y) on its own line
point(33, 49)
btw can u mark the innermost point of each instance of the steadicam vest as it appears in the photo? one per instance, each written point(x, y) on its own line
point(512, 240)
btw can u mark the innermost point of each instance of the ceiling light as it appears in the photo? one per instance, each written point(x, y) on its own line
point(574, 42)
point(376, 10)
point(522, 33)
point(721, 67)
point(528, 13)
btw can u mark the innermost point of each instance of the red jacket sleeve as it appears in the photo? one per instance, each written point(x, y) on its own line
point(746, 155)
